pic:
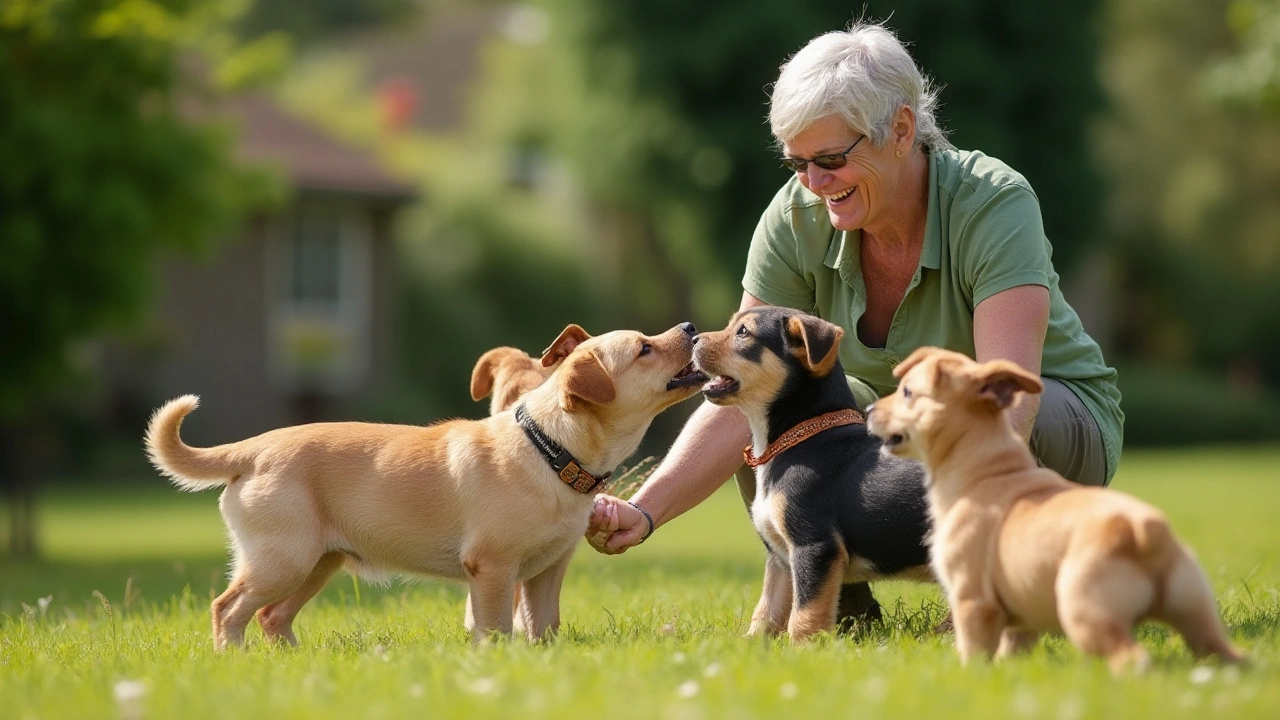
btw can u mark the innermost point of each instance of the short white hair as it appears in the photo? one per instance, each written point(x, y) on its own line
point(863, 74)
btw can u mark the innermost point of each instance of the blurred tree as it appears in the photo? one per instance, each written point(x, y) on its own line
point(1251, 75)
point(666, 121)
point(311, 20)
point(101, 174)
point(1193, 212)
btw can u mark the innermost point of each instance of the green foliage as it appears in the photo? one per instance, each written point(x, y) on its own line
point(1250, 76)
point(101, 173)
point(676, 96)
point(1192, 214)
point(1172, 406)
point(654, 633)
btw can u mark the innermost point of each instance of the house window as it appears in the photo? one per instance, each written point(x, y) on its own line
point(319, 280)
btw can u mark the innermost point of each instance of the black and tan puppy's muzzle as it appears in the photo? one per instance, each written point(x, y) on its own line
point(708, 353)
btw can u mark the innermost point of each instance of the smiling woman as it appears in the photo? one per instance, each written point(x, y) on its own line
point(888, 231)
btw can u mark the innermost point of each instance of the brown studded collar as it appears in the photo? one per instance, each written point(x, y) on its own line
point(802, 432)
point(564, 463)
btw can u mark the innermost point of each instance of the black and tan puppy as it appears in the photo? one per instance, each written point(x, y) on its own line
point(828, 506)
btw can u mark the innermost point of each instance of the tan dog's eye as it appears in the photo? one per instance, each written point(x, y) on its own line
point(645, 349)
point(906, 392)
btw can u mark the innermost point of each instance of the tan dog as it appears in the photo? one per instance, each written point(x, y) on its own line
point(508, 373)
point(474, 500)
point(1020, 550)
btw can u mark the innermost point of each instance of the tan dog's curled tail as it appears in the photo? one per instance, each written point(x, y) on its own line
point(191, 469)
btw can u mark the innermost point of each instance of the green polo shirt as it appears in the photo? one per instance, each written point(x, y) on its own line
point(983, 235)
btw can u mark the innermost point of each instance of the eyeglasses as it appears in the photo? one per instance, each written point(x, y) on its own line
point(834, 161)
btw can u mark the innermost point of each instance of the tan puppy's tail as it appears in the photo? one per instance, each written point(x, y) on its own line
point(190, 468)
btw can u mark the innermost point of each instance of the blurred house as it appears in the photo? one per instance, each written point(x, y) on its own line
point(293, 320)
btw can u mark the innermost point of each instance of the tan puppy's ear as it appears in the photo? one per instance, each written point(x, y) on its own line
point(585, 380)
point(913, 360)
point(564, 344)
point(998, 382)
point(482, 375)
point(816, 342)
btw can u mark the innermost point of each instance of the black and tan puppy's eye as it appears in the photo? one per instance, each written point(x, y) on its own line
point(645, 349)
point(742, 331)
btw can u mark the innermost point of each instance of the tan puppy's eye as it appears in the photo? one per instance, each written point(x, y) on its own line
point(645, 349)
point(906, 392)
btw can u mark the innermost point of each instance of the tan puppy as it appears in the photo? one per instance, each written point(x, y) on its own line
point(508, 373)
point(474, 500)
point(1020, 550)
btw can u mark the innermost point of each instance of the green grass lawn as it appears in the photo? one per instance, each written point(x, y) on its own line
point(114, 623)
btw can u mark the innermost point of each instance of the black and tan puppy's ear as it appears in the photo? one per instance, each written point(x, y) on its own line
point(565, 342)
point(816, 342)
point(998, 382)
point(482, 374)
point(584, 380)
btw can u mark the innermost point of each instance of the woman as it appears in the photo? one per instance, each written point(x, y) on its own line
point(888, 231)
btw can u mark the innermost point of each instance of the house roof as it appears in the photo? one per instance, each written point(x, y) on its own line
point(311, 159)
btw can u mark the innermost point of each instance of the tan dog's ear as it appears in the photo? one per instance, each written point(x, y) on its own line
point(913, 360)
point(817, 341)
point(1000, 381)
point(585, 380)
point(482, 375)
point(565, 342)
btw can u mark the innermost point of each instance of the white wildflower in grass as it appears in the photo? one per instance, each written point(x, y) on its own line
point(688, 689)
point(44, 604)
point(1201, 675)
point(667, 630)
point(712, 670)
point(129, 695)
point(1025, 704)
point(1071, 707)
point(678, 658)
point(481, 686)
point(789, 691)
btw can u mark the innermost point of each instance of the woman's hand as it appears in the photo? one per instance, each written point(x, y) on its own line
point(615, 525)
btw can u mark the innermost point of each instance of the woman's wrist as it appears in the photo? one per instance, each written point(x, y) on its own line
point(647, 518)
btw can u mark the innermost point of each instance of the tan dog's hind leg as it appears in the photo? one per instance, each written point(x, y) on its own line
point(1016, 640)
point(771, 613)
point(276, 619)
point(979, 626)
point(259, 581)
point(539, 607)
point(1100, 598)
point(1191, 610)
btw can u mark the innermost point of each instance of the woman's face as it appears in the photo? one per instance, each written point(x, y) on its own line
point(856, 194)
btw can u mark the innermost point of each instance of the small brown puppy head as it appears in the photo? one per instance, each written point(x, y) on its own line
point(628, 374)
point(942, 393)
point(753, 357)
point(508, 373)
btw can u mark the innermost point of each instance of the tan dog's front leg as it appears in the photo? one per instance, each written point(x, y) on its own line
point(539, 606)
point(1016, 640)
point(492, 591)
point(979, 624)
point(771, 613)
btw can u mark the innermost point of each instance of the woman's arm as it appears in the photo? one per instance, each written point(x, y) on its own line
point(704, 455)
point(1011, 325)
